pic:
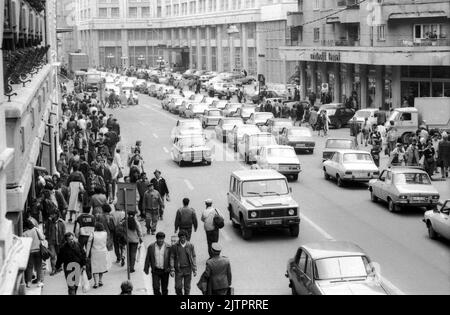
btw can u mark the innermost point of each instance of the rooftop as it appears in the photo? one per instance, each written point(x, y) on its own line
point(329, 249)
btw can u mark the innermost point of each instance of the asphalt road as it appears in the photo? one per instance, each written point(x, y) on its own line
point(410, 262)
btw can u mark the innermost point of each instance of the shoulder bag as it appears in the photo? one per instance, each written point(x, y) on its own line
point(45, 253)
point(219, 221)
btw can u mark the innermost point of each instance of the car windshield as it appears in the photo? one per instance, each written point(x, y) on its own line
point(412, 179)
point(283, 124)
point(340, 268)
point(190, 125)
point(263, 116)
point(395, 116)
point(282, 153)
point(215, 113)
point(192, 142)
point(300, 133)
point(262, 140)
point(340, 144)
point(265, 188)
point(357, 157)
point(362, 114)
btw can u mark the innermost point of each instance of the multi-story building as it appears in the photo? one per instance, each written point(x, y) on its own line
point(28, 123)
point(215, 35)
point(66, 29)
point(383, 50)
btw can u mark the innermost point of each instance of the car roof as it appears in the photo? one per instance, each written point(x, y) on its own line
point(369, 110)
point(403, 170)
point(329, 249)
point(277, 146)
point(254, 175)
point(346, 151)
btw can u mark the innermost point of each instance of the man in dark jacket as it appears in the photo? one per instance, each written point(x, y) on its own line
point(160, 185)
point(142, 185)
point(55, 230)
point(444, 155)
point(216, 280)
point(73, 257)
point(183, 264)
point(186, 219)
point(158, 259)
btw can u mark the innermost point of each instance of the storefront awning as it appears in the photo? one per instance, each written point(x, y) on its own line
point(416, 15)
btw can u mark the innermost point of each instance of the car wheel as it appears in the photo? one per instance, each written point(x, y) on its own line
point(245, 231)
point(431, 232)
point(340, 182)
point(295, 177)
point(373, 197)
point(181, 163)
point(208, 163)
point(294, 230)
point(327, 177)
point(392, 206)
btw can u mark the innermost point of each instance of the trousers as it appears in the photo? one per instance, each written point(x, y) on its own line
point(183, 279)
point(212, 237)
point(151, 219)
point(160, 281)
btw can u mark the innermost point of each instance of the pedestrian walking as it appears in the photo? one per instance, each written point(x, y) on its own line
point(444, 156)
point(98, 253)
point(375, 152)
point(428, 158)
point(119, 234)
point(366, 130)
point(72, 259)
point(35, 257)
point(134, 235)
point(216, 280)
point(160, 185)
point(76, 190)
point(98, 200)
point(84, 226)
point(55, 230)
point(107, 220)
point(186, 219)
point(211, 229)
point(153, 204)
point(183, 264)
point(397, 157)
point(158, 262)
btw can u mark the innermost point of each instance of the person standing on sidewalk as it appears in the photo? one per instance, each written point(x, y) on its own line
point(160, 185)
point(444, 155)
point(186, 219)
point(86, 226)
point(183, 264)
point(212, 231)
point(54, 233)
point(134, 235)
point(216, 280)
point(153, 203)
point(158, 259)
point(73, 257)
point(35, 258)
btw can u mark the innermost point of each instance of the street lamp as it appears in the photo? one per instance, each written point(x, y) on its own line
point(141, 59)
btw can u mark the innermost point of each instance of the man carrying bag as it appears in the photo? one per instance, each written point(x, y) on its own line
point(213, 221)
point(216, 280)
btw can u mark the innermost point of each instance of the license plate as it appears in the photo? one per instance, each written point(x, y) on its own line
point(274, 222)
point(419, 198)
point(362, 174)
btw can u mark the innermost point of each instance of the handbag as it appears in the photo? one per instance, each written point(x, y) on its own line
point(45, 253)
point(219, 221)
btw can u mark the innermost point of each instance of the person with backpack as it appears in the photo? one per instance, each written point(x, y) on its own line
point(84, 226)
point(213, 222)
point(186, 219)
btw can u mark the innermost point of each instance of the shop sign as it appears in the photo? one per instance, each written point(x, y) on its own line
point(324, 56)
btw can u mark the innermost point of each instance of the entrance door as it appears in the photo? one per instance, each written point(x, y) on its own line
point(185, 60)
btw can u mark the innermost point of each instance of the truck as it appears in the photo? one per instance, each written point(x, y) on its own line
point(78, 62)
point(432, 112)
point(94, 82)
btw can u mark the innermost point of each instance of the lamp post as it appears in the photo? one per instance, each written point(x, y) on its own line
point(141, 59)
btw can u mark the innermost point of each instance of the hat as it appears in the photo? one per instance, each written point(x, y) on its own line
point(209, 201)
point(216, 247)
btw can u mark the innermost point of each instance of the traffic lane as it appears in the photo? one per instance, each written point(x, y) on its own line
point(347, 213)
point(257, 263)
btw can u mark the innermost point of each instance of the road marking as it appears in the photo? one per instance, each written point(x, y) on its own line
point(391, 287)
point(188, 184)
point(155, 136)
point(165, 150)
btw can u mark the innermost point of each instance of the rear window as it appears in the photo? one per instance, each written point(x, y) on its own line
point(357, 157)
point(412, 179)
point(340, 144)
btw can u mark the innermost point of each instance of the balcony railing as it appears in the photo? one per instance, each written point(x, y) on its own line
point(21, 65)
point(424, 42)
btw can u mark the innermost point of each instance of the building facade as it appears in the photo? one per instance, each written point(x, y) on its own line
point(387, 52)
point(28, 124)
point(214, 35)
point(66, 29)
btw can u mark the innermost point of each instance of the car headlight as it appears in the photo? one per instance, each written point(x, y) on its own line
point(437, 197)
point(253, 215)
point(403, 197)
point(292, 212)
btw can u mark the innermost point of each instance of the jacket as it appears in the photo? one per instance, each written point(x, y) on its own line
point(174, 254)
point(55, 231)
point(37, 237)
point(62, 167)
point(150, 261)
point(217, 274)
point(68, 255)
point(444, 152)
point(161, 186)
point(185, 219)
point(152, 200)
point(412, 155)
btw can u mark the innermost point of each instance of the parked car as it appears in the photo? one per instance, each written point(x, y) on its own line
point(259, 118)
point(211, 117)
point(334, 144)
point(175, 105)
point(251, 143)
point(333, 268)
point(235, 135)
point(350, 166)
point(186, 127)
point(219, 104)
point(276, 125)
point(280, 158)
point(195, 110)
point(221, 89)
point(261, 199)
point(371, 114)
point(191, 149)
point(300, 138)
point(339, 114)
point(170, 99)
point(404, 187)
point(438, 221)
point(231, 109)
point(245, 112)
point(196, 98)
point(225, 125)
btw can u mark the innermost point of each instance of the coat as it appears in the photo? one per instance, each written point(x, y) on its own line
point(412, 155)
point(217, 275)
point(161, 186)
point(185, 219)
point(444, 152)
point(174, 261)
point(55, 231)
point(98, 252)
point(68, 255)
point(150, 261)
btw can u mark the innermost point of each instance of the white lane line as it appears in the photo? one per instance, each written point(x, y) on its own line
point(391, 287)
point(188, 184)
point(165, 150)
point(155, 136)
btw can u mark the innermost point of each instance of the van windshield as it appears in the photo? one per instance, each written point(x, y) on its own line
point(275, 187)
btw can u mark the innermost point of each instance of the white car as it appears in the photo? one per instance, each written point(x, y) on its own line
point(237, 133)
point(191, 149)
point(249, 146)
point(350, 166)
point(211, 117)
point(280, 158)
point(370, 113)
point(438, 221)
point(219, 104)
point(259, 118)
point(221, 89)
point(225, 125)
point(187, 127)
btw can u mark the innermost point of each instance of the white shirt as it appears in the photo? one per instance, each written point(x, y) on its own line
point(82, 124)
point(159, 256)
point(208, 218)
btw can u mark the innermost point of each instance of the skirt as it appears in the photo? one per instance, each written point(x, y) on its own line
point(100, 261)
point(74, 202)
